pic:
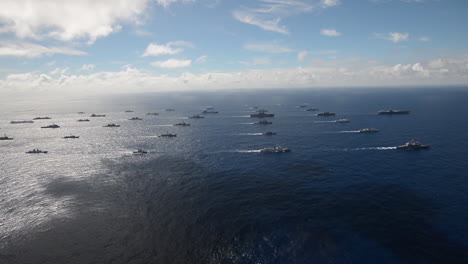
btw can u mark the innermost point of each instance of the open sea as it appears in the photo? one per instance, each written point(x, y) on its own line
point(209, 195)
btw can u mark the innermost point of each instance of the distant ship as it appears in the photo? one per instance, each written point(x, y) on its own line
point(275, 150)
point(167, 135)
point(182, 124)
point(83, 120)
point(36, 151)
point(312, 109)
point(196, 116)
point(303, 106)
point(81, 113)
point(209, 111)
point(5, 137)
point(343, 120)
point(94, 115)
point(111, 125)
point(140, 152)
point(413, 145)
point(21, 122)
point(71, 136)
point(170, 109)
point(41, 118)
point(51, 126)
point(326, 114)
point(136, 118)
point(262, 114)
point(263, 122)
point(269, 133)
point(393, 112)
point(152, 113)
point(368, 130)
point(209, 108)
point(128, 111)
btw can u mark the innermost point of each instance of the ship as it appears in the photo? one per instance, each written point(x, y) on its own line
point(5, 137)
point(21, 122)
point(51, 126)
point(263, 122)
point(312, 109)
point(167, 135)
point(393, 112)
point(81, 113)
point(94, 115)
point(111, 125)
point(209, 111)
point(83, 120)
point(269, 133)
point(181, 124)
point(36, 151)
point(368, 130)
point(71, 136)
point(41, 118)
point(170, 110)
point(196, 117)
point(326, 114)
point(128, 111)
point(413, 145)
point(152, 113)
point(275, 150)
point(262, 113)
point(136, 118)
point(342, 120)
point(140, 152)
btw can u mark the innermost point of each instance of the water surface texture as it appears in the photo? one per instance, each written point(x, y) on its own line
point(209, 196)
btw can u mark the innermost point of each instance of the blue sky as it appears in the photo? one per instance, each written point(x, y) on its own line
point(148, 45)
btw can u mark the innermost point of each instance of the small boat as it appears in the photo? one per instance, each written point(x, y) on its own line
point(81, 113)
point(136, 118)
point(262, 113)
point(312, 109)
point(413, 145)
point(36, 151)
point(21, 122)
point(182, 124)
point(71, 136)
point(275, 150)
point(303, 106)
point(51, 126)
point(83, 120)
point(5, 137)
point(41, 118)
point(111, 125)
point(368, 130)
point(342, 120)
point(263, 122)
point(167, 135)
point(196, 117)
point(94, 115)
point(170, 110)
point(269, 133)
point(128, 111)
point(140, 152)
point(209, 112)
point(393, 112)
point(152, 113)
point(326, 114)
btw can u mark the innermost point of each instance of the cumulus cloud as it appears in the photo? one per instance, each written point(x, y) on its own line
point(88, 67)
point(393, 36)
point(330, 32)
point(268, 14)
point(68, 19)
point(31, 50)
point(302, 55)
point(170, 48)
point(267, 47)
point(201, 59)
point(172, 63)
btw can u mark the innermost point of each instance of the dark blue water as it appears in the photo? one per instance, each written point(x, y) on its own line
point(209, 196)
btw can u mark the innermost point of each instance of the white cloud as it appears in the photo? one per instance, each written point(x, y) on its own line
point(302, 55)
point(268, 14)
point(172, 63)
point(267, 47)
point(424, 39)
point(88, 67)
point(68, 19)
point(167, 3)
point(257, 61)
point(393, 36)
point(169, 48)
point(60, 71)
point(201, 59)
point(31, 50)
point(330, 32)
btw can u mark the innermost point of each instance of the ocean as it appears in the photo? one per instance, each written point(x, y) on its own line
point(210, 196)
